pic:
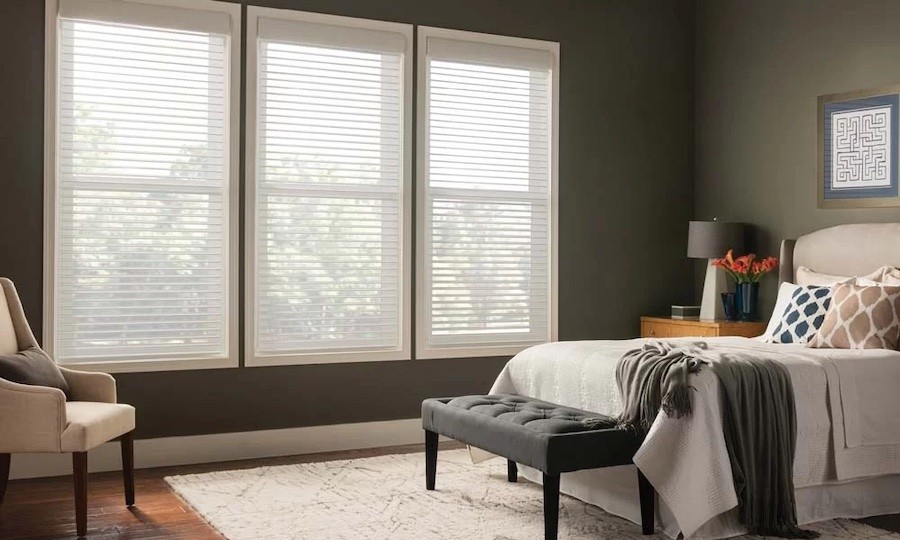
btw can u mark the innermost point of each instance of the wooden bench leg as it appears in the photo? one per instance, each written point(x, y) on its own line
point(431, 450)
point(551, 506)
point(512, 471)
point(647, 494)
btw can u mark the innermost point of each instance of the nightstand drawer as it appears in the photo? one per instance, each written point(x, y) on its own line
point(664, 327)
point(663, 330)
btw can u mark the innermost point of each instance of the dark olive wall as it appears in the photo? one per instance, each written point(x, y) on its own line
point(760, 67)
point(625, 180)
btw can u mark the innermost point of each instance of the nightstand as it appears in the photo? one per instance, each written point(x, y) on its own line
point(666, 327)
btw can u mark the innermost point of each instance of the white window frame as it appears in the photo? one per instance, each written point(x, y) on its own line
point(423, 350)
point(51, 114)
point(251, 358)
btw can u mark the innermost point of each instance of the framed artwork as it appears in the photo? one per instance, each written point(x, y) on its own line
point(858, 149)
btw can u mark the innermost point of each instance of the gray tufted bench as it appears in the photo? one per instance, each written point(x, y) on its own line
point(548, 437)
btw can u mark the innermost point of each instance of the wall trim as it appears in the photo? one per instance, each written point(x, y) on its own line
point(188, 450)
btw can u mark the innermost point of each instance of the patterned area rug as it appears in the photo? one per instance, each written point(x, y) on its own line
point(384, 497)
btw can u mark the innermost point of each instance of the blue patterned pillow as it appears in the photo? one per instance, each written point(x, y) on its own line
point(803, 315)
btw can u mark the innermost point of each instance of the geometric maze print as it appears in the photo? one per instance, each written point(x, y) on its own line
point(861, 152)
point(803, 315)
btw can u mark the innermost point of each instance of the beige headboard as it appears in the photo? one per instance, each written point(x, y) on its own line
point(844, 250)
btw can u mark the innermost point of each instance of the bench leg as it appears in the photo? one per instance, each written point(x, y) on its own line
point(551, 506)
point(647, 494)
point(512, 471)
point(431, 450)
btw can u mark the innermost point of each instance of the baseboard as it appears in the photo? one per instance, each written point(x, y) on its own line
point(214, 448)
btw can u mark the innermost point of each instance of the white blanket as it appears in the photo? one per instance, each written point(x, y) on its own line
point(686, 459)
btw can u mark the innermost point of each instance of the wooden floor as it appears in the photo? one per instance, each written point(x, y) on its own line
point(44, 508)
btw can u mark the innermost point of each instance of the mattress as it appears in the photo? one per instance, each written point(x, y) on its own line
point(836, 456)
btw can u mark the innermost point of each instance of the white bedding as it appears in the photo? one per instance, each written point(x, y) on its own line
point(686, 460)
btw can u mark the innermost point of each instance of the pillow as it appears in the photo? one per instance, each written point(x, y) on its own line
point(785, 291)
point(891, 276)
point(803, 315)
point(805, 276)
point(32, 366)
point(860, 317)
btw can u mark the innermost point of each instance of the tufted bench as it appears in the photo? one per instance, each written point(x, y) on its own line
point(548, 437)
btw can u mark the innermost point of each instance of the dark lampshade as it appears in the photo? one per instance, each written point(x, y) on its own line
point(710, 239)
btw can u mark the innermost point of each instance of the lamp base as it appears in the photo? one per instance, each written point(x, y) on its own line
point(711, 304)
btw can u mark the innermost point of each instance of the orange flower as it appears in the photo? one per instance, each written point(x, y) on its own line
point(746, 268)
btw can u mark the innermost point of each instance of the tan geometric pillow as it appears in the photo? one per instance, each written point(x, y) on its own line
point(860, 318)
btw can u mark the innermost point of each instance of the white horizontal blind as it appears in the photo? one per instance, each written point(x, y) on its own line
point(329, 190)
point(487, 196)
point(141, 235)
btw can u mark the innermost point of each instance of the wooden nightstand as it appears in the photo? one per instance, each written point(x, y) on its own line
point(666, 327)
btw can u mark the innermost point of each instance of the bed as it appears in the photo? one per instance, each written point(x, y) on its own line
point(847, 461)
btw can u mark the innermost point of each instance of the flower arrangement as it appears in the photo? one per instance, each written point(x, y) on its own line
point(747, 268)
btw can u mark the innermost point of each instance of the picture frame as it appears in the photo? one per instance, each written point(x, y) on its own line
point(859, 149)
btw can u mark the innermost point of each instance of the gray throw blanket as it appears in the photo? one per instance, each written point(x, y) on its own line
point(759, 421)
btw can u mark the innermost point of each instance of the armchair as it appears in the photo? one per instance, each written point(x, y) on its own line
point(39, 419)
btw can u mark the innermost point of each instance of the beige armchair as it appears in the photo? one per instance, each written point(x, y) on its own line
point(39, 419)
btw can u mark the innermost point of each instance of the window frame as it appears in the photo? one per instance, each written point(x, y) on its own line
point(423, 349)
point(251, 358)
point(232, 195)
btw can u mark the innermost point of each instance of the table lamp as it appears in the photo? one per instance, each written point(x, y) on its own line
point(711, 240)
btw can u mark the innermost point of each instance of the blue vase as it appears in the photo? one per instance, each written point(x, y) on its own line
point(746, 296)
point(729, 305)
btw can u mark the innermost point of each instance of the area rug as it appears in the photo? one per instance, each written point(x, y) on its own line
point(385, 498)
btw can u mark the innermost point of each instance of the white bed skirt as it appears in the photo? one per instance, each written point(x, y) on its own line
point(614, 489)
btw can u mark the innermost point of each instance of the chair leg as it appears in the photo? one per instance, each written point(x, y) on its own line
point(4, 475)
point(80, 471)
point(647, 494)
point(512, 471)
point(551, 506)
point(431, 450)
point(127, 442)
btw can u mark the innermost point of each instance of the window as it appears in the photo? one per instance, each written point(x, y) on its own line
point(141, 184)
point(486, 191)
point(328, 186)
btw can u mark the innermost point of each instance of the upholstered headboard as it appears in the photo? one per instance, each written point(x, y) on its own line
point(844, 250)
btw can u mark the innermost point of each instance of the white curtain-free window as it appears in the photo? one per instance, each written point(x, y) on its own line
point(328, 179)
point(486, 185)
point(140, 102)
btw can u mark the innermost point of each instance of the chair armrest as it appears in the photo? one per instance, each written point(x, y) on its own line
point(32, 418)
point(90, 386)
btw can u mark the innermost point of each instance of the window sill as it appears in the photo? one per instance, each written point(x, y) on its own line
point(145, 366)
point(342, 357)
point(476, 351)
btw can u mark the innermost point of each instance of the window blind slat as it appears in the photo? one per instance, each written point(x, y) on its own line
point(329, 189)
point(487, 194)
point(142, 190)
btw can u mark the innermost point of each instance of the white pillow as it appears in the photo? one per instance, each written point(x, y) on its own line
point(805, 276)
point(891, 276)
point(802, 316)
point(785, 292)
